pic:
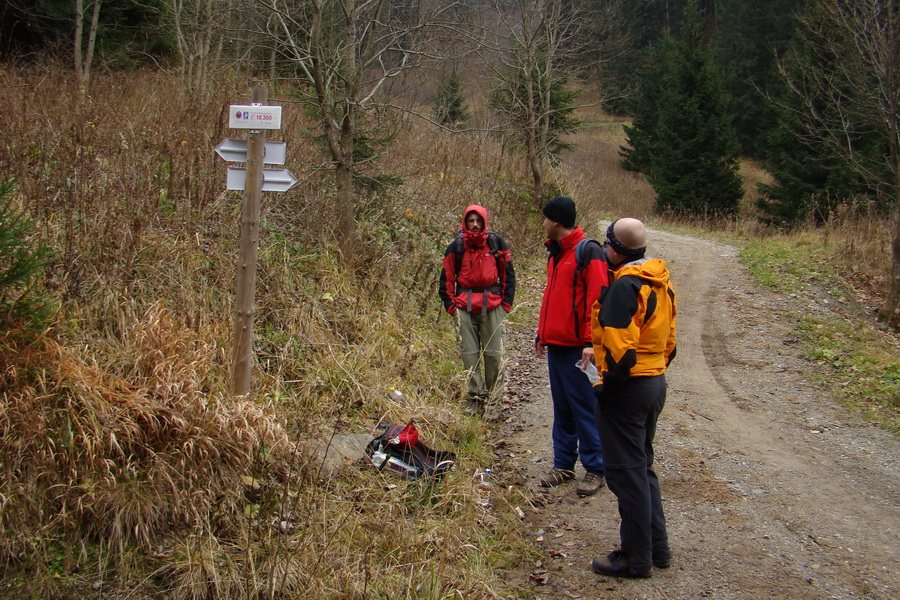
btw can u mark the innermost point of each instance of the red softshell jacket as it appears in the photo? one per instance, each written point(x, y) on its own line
point(482, 277)
point(565, 318)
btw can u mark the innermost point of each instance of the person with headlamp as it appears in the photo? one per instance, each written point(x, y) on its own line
point(633, 334)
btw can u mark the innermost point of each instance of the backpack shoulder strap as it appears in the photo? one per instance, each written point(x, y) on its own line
point(501, 256)
point(581, 263)
point(459, 248)
point(493, 242)
point(581, 251)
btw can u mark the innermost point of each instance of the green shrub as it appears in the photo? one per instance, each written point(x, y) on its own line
point(22, 259)
point(449, 102)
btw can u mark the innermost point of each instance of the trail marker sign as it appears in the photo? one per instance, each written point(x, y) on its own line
point(234, 150)
point(254, 116)
point(274, 180)
point(255, 151)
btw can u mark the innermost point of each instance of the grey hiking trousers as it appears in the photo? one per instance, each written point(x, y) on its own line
point(482, 345)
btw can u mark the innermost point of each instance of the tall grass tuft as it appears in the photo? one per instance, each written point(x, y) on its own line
point(123, 452)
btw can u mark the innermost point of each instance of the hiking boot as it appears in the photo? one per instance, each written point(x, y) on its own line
point(615, 564)
point(557, 476)
point(590, 485)
point(475, 407)
point(662, 559)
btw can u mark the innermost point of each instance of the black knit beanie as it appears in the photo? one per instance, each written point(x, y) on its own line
point(561, 210)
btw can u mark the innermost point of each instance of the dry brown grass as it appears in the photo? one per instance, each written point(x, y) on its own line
point(125, 462)
point(752, 173)
point(595, 179)
point(121, 452)
point(854, 242)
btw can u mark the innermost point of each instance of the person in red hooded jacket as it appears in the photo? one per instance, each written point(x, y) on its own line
point(477, 285)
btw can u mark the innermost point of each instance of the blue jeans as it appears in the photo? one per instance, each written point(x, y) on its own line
point(575, 433)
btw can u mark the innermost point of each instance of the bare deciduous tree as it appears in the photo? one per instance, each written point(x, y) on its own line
point(543, 46)
point(348, 51)
point(537, 36)
point(201, 29)
point(847, 77)
point(84, 49)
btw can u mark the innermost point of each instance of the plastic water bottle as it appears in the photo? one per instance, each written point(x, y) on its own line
point(590, 370)
point(483, 488)
point(397, 395)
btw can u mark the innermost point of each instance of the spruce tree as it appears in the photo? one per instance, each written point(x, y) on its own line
point(822, 148)
point(644, 107)
point(645, 24)
point(750, 36)
point(22, 260)
point(690, 150)
point(809, 181)
point(449, 108)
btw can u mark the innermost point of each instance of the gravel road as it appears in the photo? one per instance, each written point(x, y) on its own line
point(771, 490)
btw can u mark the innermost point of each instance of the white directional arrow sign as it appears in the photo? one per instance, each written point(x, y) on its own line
point(234, 150)
point(274, 180)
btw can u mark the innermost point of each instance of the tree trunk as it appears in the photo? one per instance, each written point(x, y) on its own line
point(92, 40)
point(537, 172)
point(889, 313)
point(79, 35)
point(346, 194)
point(346, 213)
point(532, 141)
point(84, 53)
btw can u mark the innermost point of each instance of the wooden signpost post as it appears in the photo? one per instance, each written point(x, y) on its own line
point(257, 117)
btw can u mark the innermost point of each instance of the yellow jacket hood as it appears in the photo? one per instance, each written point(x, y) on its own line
point(654, 270)
point(633, 323)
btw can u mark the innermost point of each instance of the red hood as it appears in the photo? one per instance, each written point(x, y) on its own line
point(475, 240)
point(477, 208)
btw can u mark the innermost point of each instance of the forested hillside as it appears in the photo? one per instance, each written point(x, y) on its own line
point(128, 464)
point(809, 89)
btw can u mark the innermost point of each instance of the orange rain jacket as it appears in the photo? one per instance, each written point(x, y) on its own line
point(633, 323)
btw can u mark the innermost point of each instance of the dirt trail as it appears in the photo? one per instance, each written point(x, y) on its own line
point(771, 490)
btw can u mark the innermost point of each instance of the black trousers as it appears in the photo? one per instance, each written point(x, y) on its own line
point(627, 419)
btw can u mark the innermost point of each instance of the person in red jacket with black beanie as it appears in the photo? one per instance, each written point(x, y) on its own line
point(564, 331)
point(477, 285)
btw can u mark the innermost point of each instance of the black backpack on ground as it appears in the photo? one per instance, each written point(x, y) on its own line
point(388, 453)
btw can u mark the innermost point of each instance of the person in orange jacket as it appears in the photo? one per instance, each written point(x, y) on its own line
point(478, 285)
point(633, 332)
